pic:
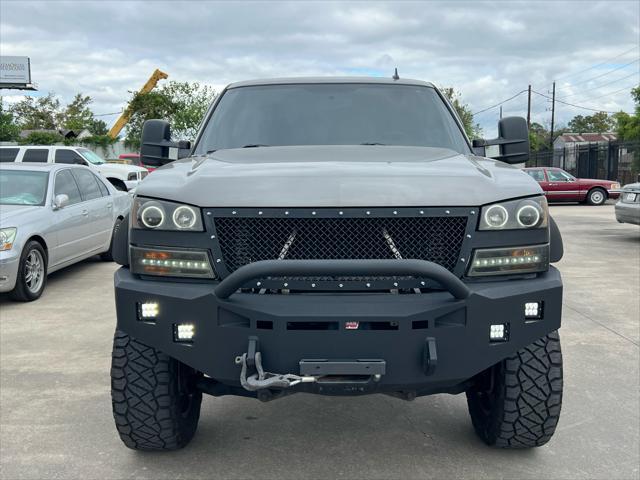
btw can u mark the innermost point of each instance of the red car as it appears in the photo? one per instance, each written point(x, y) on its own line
point(560, 186)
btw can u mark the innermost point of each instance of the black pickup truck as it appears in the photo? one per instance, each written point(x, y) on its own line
point(337, 236)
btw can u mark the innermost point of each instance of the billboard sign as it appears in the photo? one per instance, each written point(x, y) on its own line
point(15, 72)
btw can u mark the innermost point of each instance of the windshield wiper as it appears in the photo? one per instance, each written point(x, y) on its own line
point(372, 143)
point(255, 145)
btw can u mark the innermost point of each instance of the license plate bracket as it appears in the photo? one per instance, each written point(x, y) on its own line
point(323, 366)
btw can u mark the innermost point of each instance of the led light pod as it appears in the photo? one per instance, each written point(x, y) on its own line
point(184, 332)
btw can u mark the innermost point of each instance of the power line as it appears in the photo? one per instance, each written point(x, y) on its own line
point(500, 103)
point(572, 105)
point(603, 85)
point(107, 114)
point(598, 65)
point(628, 88)
point(603, 74)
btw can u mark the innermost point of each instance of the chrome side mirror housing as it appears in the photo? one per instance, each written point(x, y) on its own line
point(60, 201)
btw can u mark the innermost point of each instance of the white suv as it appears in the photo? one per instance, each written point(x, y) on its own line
point(123, 177)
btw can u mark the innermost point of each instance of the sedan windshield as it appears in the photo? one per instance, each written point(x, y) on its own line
point(331, 114)
point(91, 156)
point(23, 187)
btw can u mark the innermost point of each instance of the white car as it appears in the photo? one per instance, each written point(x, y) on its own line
point(123, 177)
point(50, 217)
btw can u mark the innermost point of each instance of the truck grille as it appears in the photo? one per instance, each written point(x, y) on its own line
point(245, 240)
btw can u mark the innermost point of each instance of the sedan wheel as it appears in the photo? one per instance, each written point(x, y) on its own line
point(32, 273)
point(596, 197)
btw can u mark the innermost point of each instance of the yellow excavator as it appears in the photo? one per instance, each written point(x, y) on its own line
point(146, 88)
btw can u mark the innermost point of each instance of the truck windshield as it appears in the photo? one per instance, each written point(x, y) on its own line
point(331, 114)
point(91, 156)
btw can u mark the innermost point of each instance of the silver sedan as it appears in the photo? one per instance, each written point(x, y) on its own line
point(50, 217)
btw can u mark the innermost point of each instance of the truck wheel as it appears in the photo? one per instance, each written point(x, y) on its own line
point(32, 273)
point(108, 255)
point(516, 403)
point(155, 403)
point(596, 196)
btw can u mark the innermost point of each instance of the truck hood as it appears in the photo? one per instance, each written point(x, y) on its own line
point(337, 176)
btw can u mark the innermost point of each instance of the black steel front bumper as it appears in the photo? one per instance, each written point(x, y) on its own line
point(429, 342)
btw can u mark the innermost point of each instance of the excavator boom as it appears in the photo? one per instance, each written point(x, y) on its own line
point(155, 77)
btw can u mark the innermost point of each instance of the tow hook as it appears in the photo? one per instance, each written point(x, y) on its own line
point(261, 379)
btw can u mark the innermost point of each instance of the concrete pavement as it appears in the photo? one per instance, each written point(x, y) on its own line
point(55, 411)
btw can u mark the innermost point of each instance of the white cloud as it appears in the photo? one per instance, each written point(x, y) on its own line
point(487, 50)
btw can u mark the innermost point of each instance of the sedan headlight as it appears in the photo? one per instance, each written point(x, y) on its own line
point(515, 214)
point(149, 214)
point(509, 260)
point(7, 237)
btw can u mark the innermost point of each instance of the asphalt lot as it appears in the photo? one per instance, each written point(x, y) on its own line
point(55, 410)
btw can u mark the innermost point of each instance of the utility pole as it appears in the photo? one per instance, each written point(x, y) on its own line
point(529, 109)
point(500, 112)
point(553, 113)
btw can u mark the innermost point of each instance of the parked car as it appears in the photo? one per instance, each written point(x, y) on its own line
point(560, 186)
point(50, 217)
point(628, 207)
point(134, 159)
point(123, 177)
point(337, 237)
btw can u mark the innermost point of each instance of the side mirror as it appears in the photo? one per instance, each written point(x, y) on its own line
point(512, 144)
point(60, 201)
point(157, 148)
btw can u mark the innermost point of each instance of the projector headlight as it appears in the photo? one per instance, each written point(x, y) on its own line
point(509, 260)
point(515, 214)
point(149, 214)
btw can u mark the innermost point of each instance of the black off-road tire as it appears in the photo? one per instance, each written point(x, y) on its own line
point(108, 255)
point(597, 196)
point(516, 403)
point(155, 403)
point(21, 292)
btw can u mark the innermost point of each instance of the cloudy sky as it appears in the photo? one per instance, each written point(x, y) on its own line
point(489, 51)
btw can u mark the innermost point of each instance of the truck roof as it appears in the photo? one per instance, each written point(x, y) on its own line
point(305, 80)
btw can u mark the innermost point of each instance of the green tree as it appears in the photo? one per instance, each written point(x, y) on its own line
point(42, 138)
point(599, 122)
point(538, 137)
point(41, 113)
point(182, 104)
point(9, 129)
point(98, 127)
point(628, 127)
point(472, 129)
point(77, 114)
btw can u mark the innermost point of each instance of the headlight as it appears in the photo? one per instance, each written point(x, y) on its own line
point(169, 262)
point(509, 260)
point(148, 214)
point(515, 214)
point(7, 237)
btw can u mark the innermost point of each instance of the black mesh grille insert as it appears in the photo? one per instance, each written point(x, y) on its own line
point(247, 240)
